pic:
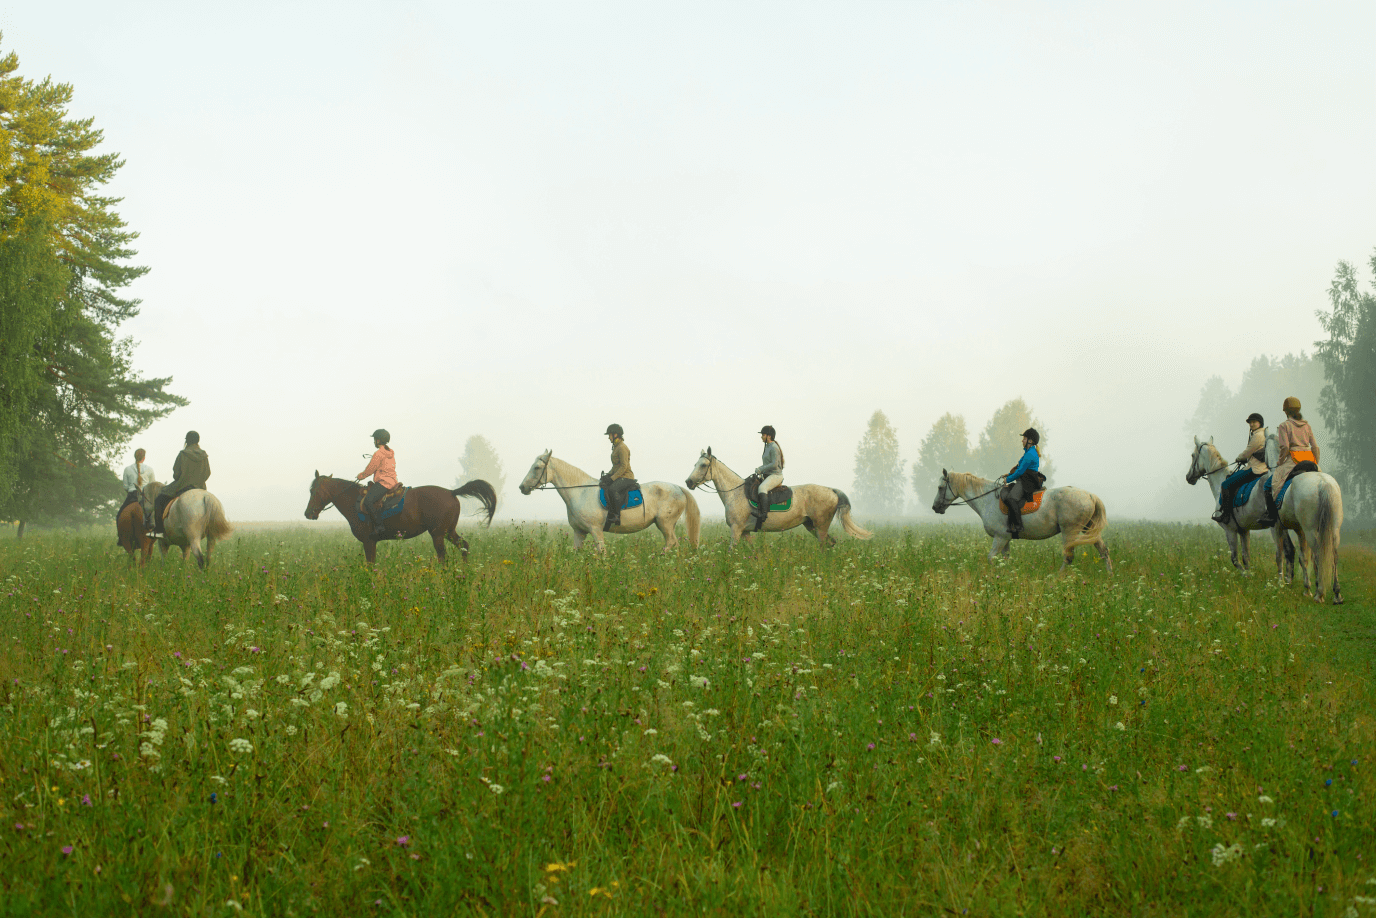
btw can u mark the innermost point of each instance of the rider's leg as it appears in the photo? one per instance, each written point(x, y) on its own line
point(370, 501)
point(616, 499)
point(762, 511)
point(1012, 498)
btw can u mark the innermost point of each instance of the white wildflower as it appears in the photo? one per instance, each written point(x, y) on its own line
point(239, 744)
point(1268, 822)
point(341, 710)
point(934, 739)
point(1119, 726)
point(1265, 799)
point(699, 681)
point(496, 788)
point(1205, 821)
point(1112, 699)
point(661, 759)
point(1222, 855)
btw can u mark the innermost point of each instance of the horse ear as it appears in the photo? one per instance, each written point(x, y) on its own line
point(709, 450)
point(944, 473)
point(317, 473)
point(1211, 441)
point(1196, 443)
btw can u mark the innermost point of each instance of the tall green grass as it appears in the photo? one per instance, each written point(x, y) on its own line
point(890, 727)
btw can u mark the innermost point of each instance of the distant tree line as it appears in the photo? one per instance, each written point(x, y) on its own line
point(880, 486)
point(70, 398)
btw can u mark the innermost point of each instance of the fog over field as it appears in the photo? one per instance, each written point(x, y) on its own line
point(528, 221)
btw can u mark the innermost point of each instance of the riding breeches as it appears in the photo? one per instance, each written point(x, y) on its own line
point(371, 497)
point(770, 483)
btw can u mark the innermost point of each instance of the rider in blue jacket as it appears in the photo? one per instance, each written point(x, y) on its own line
point(1022, 480)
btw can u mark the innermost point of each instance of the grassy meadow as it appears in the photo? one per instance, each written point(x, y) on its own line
point(893, 727)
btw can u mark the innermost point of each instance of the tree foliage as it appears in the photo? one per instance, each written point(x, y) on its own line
point(1348, 400)
point(70, 398)
point(480, 460)
point(1222, 413)
point(946, 446)
point(878, 469)
point(1000, 443)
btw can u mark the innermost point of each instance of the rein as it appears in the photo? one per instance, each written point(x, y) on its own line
point(957, 500)
point(714, 489)
point(332, 500)
point(546, 485)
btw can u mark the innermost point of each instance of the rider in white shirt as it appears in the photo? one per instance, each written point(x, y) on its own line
point(135, 477)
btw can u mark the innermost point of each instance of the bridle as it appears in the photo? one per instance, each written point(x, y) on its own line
point(326, 504)
point(545, 484)
point(713, 482)
point(956, 499)
point(1191, 478)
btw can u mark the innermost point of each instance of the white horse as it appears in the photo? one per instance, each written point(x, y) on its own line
point(1313, 510)
point(664, 503)
point(192, 516)
point(1075, 513)
point(814, 506)
point(1208, 463)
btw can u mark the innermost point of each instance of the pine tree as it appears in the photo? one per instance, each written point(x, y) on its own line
point(480, 460)
point(878, 470)
point(70, 398)
point(946, 446)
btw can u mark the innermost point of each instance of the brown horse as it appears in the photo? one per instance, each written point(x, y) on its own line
point(428, 508)
point(132, 535)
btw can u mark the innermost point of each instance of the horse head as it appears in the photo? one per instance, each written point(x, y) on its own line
point(943, 489)
point(319, 498)
point(702, 469)
point(1199, 460)
point(538, 474)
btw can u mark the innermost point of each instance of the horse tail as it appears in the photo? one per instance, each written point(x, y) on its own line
point(694, 515)
point(217, 526)
point(843, 510)
point(1093, 528)
point(483, 492)
point(1328, 521)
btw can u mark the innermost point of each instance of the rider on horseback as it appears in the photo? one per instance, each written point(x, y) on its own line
point(1022, 480)
point(620, 481)
point(189, 471)
point(770, 474)
point(383, 468)
point(1296, 440)
point(1252, 460)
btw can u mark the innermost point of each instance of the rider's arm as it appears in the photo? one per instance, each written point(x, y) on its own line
point(374, 464)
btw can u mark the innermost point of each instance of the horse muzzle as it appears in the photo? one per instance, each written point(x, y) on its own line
point(692, 485)
point(312, 514)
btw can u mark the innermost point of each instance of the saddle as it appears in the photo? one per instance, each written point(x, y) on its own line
point(781, 498)
point(1029, 506)
point(389, 506)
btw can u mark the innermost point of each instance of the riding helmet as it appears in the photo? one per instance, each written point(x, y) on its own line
point(614, 429)
point(1255, 417)
point(768, 430)
point(193, 437)
point(1290, 403)
point(1031, 434)
point(382, 435)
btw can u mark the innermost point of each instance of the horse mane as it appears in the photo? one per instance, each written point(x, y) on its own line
point(961, 482)
point(1213, 451)
point(568, 470)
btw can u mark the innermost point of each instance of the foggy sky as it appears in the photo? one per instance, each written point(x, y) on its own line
point(531, 220)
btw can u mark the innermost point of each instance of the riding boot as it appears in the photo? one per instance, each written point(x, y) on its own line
point(1014, 522)
point(1221, 514)
point(1272, 513)
point(761, 510)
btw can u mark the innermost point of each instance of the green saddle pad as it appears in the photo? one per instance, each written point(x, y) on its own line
point(776, 508)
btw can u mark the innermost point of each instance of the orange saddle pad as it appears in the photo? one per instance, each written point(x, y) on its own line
point(1032, 506)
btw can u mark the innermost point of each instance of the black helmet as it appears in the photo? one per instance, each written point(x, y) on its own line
point(768, 431)
point(615, 429)
point(1256, 417)
point(1031, 434)
point(193, 437)
point(382, 435)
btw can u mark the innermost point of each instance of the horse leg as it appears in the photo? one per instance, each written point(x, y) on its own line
point(578, 537)
point(1232, 545)
point(459, 542)
point(369, 550)
point(1067, 550)
point(1244, 544)
point(437, 539)
point(999, 546)
point(1102, 547)
point(666, 526)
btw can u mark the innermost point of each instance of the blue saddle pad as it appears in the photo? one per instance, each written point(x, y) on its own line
point(387, 512)
point(633, 498)
point(1280, 498)
point(1244, 493)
